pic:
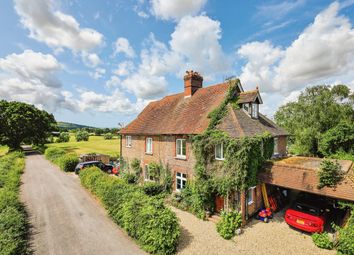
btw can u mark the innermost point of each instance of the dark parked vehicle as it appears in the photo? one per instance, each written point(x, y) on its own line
point(99, 164)
point(308, 213)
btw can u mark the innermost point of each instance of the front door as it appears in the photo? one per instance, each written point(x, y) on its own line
point(219, 204)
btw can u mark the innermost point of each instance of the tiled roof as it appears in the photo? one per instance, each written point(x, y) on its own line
point(238, 123)
point(176, 114)
point(248, 96)
point(301, 176)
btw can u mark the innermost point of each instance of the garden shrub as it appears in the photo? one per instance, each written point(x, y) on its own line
point(13, 219)
point(345, 244)
point(153, 188)
point(329, 174)
point(54, 154)
point(130, 178)
point(82, 136)
point(229, 222)
point(68, 162)
point(145, 218)
point(322, 240)
point(64, 137)
point(108, 136)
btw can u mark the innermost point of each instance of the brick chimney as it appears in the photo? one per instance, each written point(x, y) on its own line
point(192, 82)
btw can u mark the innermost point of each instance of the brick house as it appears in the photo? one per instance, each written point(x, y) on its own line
point(162, 132)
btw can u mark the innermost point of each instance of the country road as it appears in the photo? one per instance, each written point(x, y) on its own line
point(65, 218)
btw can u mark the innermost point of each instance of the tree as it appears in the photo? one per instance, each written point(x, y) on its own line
point(24, 123)
point(82, 136)
point(317, 110)
point(64, 137)
point(108, 136)
point(338, 138)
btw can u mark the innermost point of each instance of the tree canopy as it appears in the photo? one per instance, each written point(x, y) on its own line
point(24, 123)
point(319, 109)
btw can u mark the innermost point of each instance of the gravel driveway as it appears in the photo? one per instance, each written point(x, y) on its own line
point(200, 237)
point(65, 219)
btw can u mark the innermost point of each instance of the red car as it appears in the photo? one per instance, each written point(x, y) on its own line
point(308, 213)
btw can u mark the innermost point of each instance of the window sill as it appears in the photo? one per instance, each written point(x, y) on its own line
point(250, 203)
point(149, 153)
point(181, 158)
point(220, 159)
point(128, 146)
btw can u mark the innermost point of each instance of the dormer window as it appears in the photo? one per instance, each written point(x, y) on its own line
point(254, 110)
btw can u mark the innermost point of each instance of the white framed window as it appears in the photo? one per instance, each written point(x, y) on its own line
point(181, 148)
point(276, 151)
point(147, 176)
point(148, 145)
point(219, 151)
point(254, 110)
point(128, 141)
point(181, 181)
point(250, 194)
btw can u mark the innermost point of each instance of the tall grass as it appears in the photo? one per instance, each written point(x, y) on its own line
point(13, 218)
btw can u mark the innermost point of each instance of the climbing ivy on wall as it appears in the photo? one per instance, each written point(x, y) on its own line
point(244, 158)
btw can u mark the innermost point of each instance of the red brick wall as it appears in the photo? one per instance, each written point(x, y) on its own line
point(164, 150)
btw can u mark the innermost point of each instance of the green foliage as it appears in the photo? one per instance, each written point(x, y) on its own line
point(338, 138)
point(13, 219)
point(145, 218)
point(130, 178)
point(330, 173)
point(343, 156)
point(322, 240)
point(68, 162)
point(153, 188)
point(64, 137)
point(108, 136)
point(345, 243)
point(82, 136)
point(54, 154)
point(229, 222)
point(24, 123)
point(317, 110)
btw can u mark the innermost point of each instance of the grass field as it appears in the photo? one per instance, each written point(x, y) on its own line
point(95, 144)
point(3, 150)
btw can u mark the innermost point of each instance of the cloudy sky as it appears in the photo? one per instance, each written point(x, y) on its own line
point(99, 62)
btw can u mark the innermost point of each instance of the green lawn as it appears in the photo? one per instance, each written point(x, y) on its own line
point(95, 144)
point(3, 150)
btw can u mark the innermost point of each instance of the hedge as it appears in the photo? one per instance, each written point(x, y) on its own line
point(13, 218)
point(145, 218)
point(68, 162)
point(54, 154)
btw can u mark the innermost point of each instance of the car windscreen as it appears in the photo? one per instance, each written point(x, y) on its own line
point(307, 209)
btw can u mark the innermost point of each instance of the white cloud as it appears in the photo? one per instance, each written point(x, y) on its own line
point(31, 77)
point(196, 40)
point(175, 9)
point(194, 45)
point(91, 59)
point(124, 68)
point(116, 102)
point(98, 73)
point(278, 10)
point(323, 52)
point(122, 45)
point(114, 81)
point(56, 29)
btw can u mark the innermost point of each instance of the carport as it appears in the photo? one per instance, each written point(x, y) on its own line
point(300, 173)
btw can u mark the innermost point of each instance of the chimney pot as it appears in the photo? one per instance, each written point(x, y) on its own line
point(192, 82)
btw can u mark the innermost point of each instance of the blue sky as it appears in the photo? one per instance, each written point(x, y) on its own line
point(99, 62)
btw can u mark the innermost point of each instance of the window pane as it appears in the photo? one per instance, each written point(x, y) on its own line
point(178, 174)
point(178, 184)
point(219, 151)
point(184, 147)
point(183, 184)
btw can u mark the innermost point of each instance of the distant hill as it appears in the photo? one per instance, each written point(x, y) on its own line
point(70, 126)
